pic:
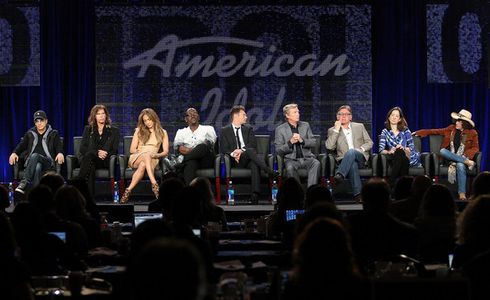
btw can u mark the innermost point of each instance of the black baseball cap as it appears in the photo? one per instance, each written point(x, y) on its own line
point(40, 114)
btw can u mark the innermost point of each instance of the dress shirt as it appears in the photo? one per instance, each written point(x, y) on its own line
point(348, 136)
point(190, 139)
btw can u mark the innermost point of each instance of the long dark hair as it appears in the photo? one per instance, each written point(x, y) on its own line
point(402, 124)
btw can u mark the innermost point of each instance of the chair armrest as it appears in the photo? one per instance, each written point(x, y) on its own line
point(425, 159)
point(322, 157)
point(112, 166)
point(374, 164)
point(57, 167)
point(436, 164)
point(280, 164)
point(227, 161)
point(71, 164)
point(217, 165)
point(270, 160)
point(384, 164)
point(332, 163)
point(123, 163)
point(477, 158)
point(15, 169)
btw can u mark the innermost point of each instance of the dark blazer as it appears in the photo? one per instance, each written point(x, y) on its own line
point(91, 143)
point(228, 140)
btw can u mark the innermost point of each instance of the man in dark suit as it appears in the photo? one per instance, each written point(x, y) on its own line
point(238, 141)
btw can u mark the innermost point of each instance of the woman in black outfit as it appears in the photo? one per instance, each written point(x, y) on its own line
point(100, 140)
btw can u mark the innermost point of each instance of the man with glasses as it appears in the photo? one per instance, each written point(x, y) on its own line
point(40, 147)
point(195, 146)
point(352, 144)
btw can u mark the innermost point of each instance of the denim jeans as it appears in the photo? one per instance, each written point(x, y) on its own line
point(36, 165)
point(460, 168)
point(349, 168)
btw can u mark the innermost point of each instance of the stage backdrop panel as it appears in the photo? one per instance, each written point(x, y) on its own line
point(213, 57)
point(19, 45)
point(457, 35)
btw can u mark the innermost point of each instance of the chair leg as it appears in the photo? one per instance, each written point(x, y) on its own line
point(218, 190)
point(112, 186)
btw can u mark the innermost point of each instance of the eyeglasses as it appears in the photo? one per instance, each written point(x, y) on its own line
point(343, 114)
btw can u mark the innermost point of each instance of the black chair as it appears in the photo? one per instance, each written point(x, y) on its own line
point(263, 145)
point(73, 165)
point(370, 168)
point(213, 174)
point(126, 172)
point(441, 165)
point(425, 159)
point(18, 167)
point(303, 173)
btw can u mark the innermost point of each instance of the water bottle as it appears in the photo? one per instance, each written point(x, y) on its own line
point(116, 193)
point(11, 193)
point(231, 194)
point(329, 186)
point(274, 192)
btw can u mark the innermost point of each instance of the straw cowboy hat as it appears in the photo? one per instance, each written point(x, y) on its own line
point(463, 115)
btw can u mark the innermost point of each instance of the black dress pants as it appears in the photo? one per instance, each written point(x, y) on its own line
point(399, 165)
point(88, 164)
point(200, 157)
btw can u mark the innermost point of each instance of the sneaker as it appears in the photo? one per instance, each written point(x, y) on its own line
point(21, 188)
point(175, 162)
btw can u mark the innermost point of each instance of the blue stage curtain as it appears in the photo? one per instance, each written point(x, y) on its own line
point(400, 75)
point(67, 89)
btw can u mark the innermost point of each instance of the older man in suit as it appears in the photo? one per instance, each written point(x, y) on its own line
point(352, 143)
point(294, 140)
point(238, 141)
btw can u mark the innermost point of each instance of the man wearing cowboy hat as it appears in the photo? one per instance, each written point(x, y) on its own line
point(40, 147)
point(459, 146)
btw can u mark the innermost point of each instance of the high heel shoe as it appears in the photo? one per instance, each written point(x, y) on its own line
point(125, 196)
point(156, 190)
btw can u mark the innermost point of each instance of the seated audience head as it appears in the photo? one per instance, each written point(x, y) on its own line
point(402, 187)
point(438, 202)
point(323, 251)
point(41, 198)
point(481, 184)
point(317, 193)
point(317, 211)
point(420, 185)
point(169, 191)
point(187, 209)
point(4, 198)
point(53, 180)
point(168, 269)
point(290, 195)
point(70, 203)
point(376, 196)
point(8, 245)
point(146, 232)
point(474, 223)
point(204, 186)
point(82, 186)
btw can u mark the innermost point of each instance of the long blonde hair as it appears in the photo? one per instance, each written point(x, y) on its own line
point(144, 132)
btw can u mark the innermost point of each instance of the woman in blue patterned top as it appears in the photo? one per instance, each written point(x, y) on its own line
point(397, 144)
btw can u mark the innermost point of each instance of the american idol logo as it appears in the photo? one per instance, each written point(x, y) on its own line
point(270, 64)
point(229, 65)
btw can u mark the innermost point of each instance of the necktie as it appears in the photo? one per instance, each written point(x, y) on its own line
point(239, 145)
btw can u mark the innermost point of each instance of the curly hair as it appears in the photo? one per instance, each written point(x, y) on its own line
point(93, 112)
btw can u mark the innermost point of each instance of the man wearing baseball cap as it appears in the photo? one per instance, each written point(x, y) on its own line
point(40, 149)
